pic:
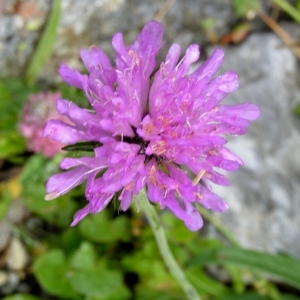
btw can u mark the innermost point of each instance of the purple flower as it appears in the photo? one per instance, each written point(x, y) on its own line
point(156, 132)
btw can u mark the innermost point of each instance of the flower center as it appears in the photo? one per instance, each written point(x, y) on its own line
point(138, 141)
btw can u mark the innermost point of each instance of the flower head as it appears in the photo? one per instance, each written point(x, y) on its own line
point(37, 111)
point(161, 131)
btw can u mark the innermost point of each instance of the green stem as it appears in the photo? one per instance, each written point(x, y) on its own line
point(164, 248)
point(218, 225)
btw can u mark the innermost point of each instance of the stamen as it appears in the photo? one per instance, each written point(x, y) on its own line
point(198, 177)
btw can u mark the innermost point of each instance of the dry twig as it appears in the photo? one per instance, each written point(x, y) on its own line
point(281, 33)
point(164, 10)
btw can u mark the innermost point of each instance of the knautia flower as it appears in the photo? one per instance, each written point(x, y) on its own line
point(37, 111)
point(155, 129)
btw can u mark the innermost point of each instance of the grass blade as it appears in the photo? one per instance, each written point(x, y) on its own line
point(45, 45)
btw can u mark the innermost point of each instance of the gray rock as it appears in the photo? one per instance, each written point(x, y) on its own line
point(20, 27)
point(17, 212)
point(11, 284)
point(94, 22)
point(17, 256)
point(4, 234)
point(3, 278)
point(264, 196)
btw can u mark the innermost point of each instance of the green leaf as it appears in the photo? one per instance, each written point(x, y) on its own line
point(11, 143)
point(246, 296)
point(284, 267)
point(289, 297)
point(200, 244)
point(5, 93)
point(71, 239)
point(34, 176)
point(297, 110)
point(97, 282)
point(245, 7)
point(204, 284)
point(45, 44)
point(99, 228)
point(237, 278)
point(18, 90)
point(22, 297)
point(153, 275)
point(294, 12)
point(53, 273)
point(176, 230)
point(85, 257)
point(76, 95)
point(254, 296)
point(5, 201)
point(143, 294)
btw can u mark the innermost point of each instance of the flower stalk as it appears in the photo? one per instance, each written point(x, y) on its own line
point(164, 248)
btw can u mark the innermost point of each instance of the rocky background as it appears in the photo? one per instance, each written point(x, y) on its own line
point(265, 194)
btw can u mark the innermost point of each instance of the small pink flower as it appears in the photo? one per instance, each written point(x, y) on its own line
point(37, 111)
point(152, 130)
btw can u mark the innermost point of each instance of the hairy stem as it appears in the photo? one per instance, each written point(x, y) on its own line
point(164, 248)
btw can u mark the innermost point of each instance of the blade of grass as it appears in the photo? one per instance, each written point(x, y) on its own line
point(284, 267)
point(45, 45)
point(237, 277)
point(289, 9)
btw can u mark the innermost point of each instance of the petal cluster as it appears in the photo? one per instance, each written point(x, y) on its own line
point(163, 130)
